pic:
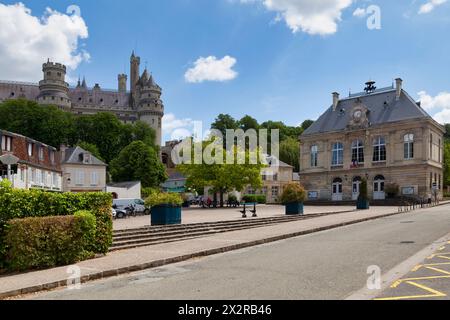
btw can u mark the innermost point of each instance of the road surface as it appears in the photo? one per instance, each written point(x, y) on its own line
point(326, 265)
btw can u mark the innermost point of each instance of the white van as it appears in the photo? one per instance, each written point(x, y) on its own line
point(138, 204)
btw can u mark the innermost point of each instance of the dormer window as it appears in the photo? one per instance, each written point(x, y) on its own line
point(6, 143)
point(30, 149)
point(41, 153)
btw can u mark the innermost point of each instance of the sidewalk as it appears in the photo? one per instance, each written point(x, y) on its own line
point(131, 260)
point(199, 215)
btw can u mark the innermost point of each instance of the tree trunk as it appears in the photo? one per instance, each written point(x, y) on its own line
point(221, 198)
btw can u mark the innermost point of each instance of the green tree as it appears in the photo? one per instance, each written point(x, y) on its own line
point(138, 161)
point(306, 124)
point(447, 163)
point(290, 152)
point(247, 123)
point(47, 124)
point(224, 177)
point(224, 122)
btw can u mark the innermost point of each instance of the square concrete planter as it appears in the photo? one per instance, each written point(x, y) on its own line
point(362, 204)
point(165, 215)
point(294, 208)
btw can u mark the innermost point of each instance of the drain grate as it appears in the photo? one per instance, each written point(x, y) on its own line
point(407, 222)
point(407, 242)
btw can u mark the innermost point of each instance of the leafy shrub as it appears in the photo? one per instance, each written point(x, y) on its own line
point(258, 198)
point(232, 198)
point(293, 193)
point(88, 225)
point(160, 198)
point(392, 189)
point(46, 242)
point(19, 204)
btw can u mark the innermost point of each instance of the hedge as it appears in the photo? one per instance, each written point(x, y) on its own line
point(258, 198)
point(20, 204)
point(46, 242)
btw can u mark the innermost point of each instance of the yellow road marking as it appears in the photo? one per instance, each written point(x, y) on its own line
point(398, 282)
point(438, 254)
point(438, 270)
point(429, 265)
point(443, 257)
point(441, 248)
point(434, 293)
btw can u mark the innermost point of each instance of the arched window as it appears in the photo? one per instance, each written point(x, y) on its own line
point(409, 146)
point(357, 152)
point(379, 149)
point(314, 156)
point(338, 154)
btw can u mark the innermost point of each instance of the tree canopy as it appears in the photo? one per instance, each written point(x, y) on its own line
point(54, 127)
point(138, 161)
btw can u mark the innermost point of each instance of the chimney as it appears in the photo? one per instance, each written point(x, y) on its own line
point(398, 84)
point(335, 100)
point(62, 150)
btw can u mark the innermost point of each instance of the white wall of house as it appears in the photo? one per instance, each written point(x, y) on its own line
point(125, 193)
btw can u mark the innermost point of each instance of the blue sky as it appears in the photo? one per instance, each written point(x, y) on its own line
point(278, 68)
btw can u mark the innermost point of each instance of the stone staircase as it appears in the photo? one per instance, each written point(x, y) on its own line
point(152, 235)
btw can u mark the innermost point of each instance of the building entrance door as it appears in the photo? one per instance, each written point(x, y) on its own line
point(378, 188)
point(356, 185)
point(337, 189)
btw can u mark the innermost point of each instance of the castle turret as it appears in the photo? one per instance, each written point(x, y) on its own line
point(134, 72)
point(149, 104)
point(122, 82)
point(54, 89)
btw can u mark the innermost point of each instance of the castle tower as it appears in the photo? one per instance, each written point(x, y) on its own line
point(134, 72)
point(54, 89)
point(149, 104)
point(122, 82)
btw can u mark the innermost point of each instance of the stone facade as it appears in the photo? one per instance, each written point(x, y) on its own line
point(82, 171)
point(382, 136)
point(142, 102)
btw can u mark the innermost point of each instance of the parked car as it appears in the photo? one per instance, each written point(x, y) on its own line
point(138, 204)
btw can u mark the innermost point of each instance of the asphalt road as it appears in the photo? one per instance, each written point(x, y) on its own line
point(326, 265)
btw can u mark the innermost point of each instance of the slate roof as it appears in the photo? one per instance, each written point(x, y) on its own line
point(72, 156)
point(382, 105)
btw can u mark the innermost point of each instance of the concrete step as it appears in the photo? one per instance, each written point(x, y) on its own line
point(154, 232)
point(126, 239)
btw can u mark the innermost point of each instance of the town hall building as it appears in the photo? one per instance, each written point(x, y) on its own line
point(141, 102)
point(381, 135)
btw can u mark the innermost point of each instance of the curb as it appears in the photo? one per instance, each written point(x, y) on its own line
point(162, 262)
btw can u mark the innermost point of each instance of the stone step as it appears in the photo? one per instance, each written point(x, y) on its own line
point(151, 232)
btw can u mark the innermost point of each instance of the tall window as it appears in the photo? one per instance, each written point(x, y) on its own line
point(314, 156)
point(338, 154)
point(379, 149)
point(52, 156)
point(6, 143)
point(440, 148)
point(357, 152)
point(94, 178)
point(409, 146)
point(80, 178)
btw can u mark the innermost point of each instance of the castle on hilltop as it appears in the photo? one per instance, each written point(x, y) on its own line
point(142, 102)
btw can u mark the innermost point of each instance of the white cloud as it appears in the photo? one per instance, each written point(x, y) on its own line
point(211, 69)
point(430, 5)
point(439, 105)
point(26, 41)
point(360, 13)
point(309, 16)
point(175, 129)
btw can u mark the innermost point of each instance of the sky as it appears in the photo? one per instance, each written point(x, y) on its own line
point(275, 60)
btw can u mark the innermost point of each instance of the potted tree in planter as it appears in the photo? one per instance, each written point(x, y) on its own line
point(165, 208)
point(363, 199)
point(293, 197)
